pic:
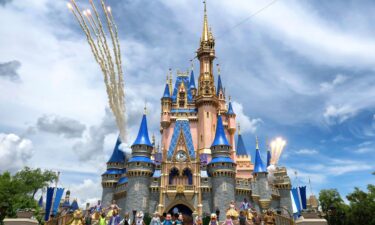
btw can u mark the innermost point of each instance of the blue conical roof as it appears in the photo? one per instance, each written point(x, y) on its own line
point(230, 109)
point(241, 149)
point(268, 158)
point(259, 166)
point(117, 156)
point(74, 205)
point(142, 138)
point(219, 85)
point(166, 92)
point(220, 138)
point(192, 80)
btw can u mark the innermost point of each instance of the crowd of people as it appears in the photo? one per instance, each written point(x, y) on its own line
point(245, 215)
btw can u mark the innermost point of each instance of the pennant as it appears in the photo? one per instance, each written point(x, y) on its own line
point(296, 198)
point(302, 192)
point(268, 158)
point(56, 203)
point(49, 198)
point(40, 202)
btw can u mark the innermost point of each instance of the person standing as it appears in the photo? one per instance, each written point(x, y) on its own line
point(115, 218)
point(102, 219)
point(257, 220)
point(179, 220)
point(213, 220)
point(269, 218)
point(155, 219)
point(242, 218)
point(168, 220)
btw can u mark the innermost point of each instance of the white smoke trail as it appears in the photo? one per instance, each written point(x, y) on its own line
point(110, 62)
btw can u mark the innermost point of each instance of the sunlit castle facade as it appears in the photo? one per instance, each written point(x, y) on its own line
point(200, 167)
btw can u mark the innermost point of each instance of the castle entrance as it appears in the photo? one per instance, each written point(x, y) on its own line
point(185, 211)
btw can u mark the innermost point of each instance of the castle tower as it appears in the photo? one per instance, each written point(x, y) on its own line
point(115, 169)
point(140, 169)
point(243, 159)
point(263, 191)
point(192, 86)
point(222, 170)
point(206, 100)
point(166, 105)
point(220, 92)
point(231, 118)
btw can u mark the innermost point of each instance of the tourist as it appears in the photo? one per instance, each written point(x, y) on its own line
point(269, 218)
point(228, 220)
point(102, 219)
point(213, 220)
point(126, 220)
point(179, 220)
point(257, 220)
point(155, 219)
point(115, 218)
point(88, 218)
point(168, 220)
point(242, 218)
point(198, 220)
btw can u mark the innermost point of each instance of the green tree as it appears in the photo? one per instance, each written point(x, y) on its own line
point(18, 191)
point(333, 206)
point(362, 206)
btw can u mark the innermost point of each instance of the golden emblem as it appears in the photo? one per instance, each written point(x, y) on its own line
point(180, 189)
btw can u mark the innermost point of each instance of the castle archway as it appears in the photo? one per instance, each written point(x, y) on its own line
point(182, 208)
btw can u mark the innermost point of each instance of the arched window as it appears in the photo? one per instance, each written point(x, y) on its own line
point(173, 176)
point(188, 176)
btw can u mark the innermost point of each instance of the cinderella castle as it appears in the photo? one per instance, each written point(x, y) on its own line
point(200, 167)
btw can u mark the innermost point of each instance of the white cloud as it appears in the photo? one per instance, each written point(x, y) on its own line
point(328, 86)
point(15, 152)
point(247, 124)
point(338, 114)
point(87, 191)
point(306, 151)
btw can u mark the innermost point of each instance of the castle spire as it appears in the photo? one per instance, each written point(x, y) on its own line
point(220, 138)
point(205, 32)
point(259, 166)
point(142, 138)
point(241, 149)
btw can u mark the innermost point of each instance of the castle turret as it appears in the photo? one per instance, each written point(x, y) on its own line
point(166, 105)
point(115, 169)
point(231, 117)
point(206, 100)
point(243, 159)
point(260, 176)
point(140, 168)
point(192, 87)
point(220, 92)
point(222, 170)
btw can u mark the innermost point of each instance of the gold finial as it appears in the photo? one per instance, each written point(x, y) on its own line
point(256, 143)
point(239, 129)
point(205, 24)
point(218, 68)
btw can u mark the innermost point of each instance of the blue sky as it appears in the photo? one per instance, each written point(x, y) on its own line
point(303, 70)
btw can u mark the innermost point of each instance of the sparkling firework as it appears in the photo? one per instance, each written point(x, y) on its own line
point(106, 53)
point(277, 147)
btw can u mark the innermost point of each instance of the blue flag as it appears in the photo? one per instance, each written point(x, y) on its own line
point(56, 203)
point(302, 192)
point(40, 202)
point(49, 198)
point(296, 199)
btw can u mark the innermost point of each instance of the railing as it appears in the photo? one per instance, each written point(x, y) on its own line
point(189, 187)
point(186, 187)
point(283, 220)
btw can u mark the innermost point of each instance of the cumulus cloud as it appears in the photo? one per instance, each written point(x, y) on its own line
point(8, 70)
point(89, 191)
point(247, 124)
point(338, 114)
point(15, 152)
point(328, 86)
point(91, 145)
point(66, 127)
point(306, 151)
